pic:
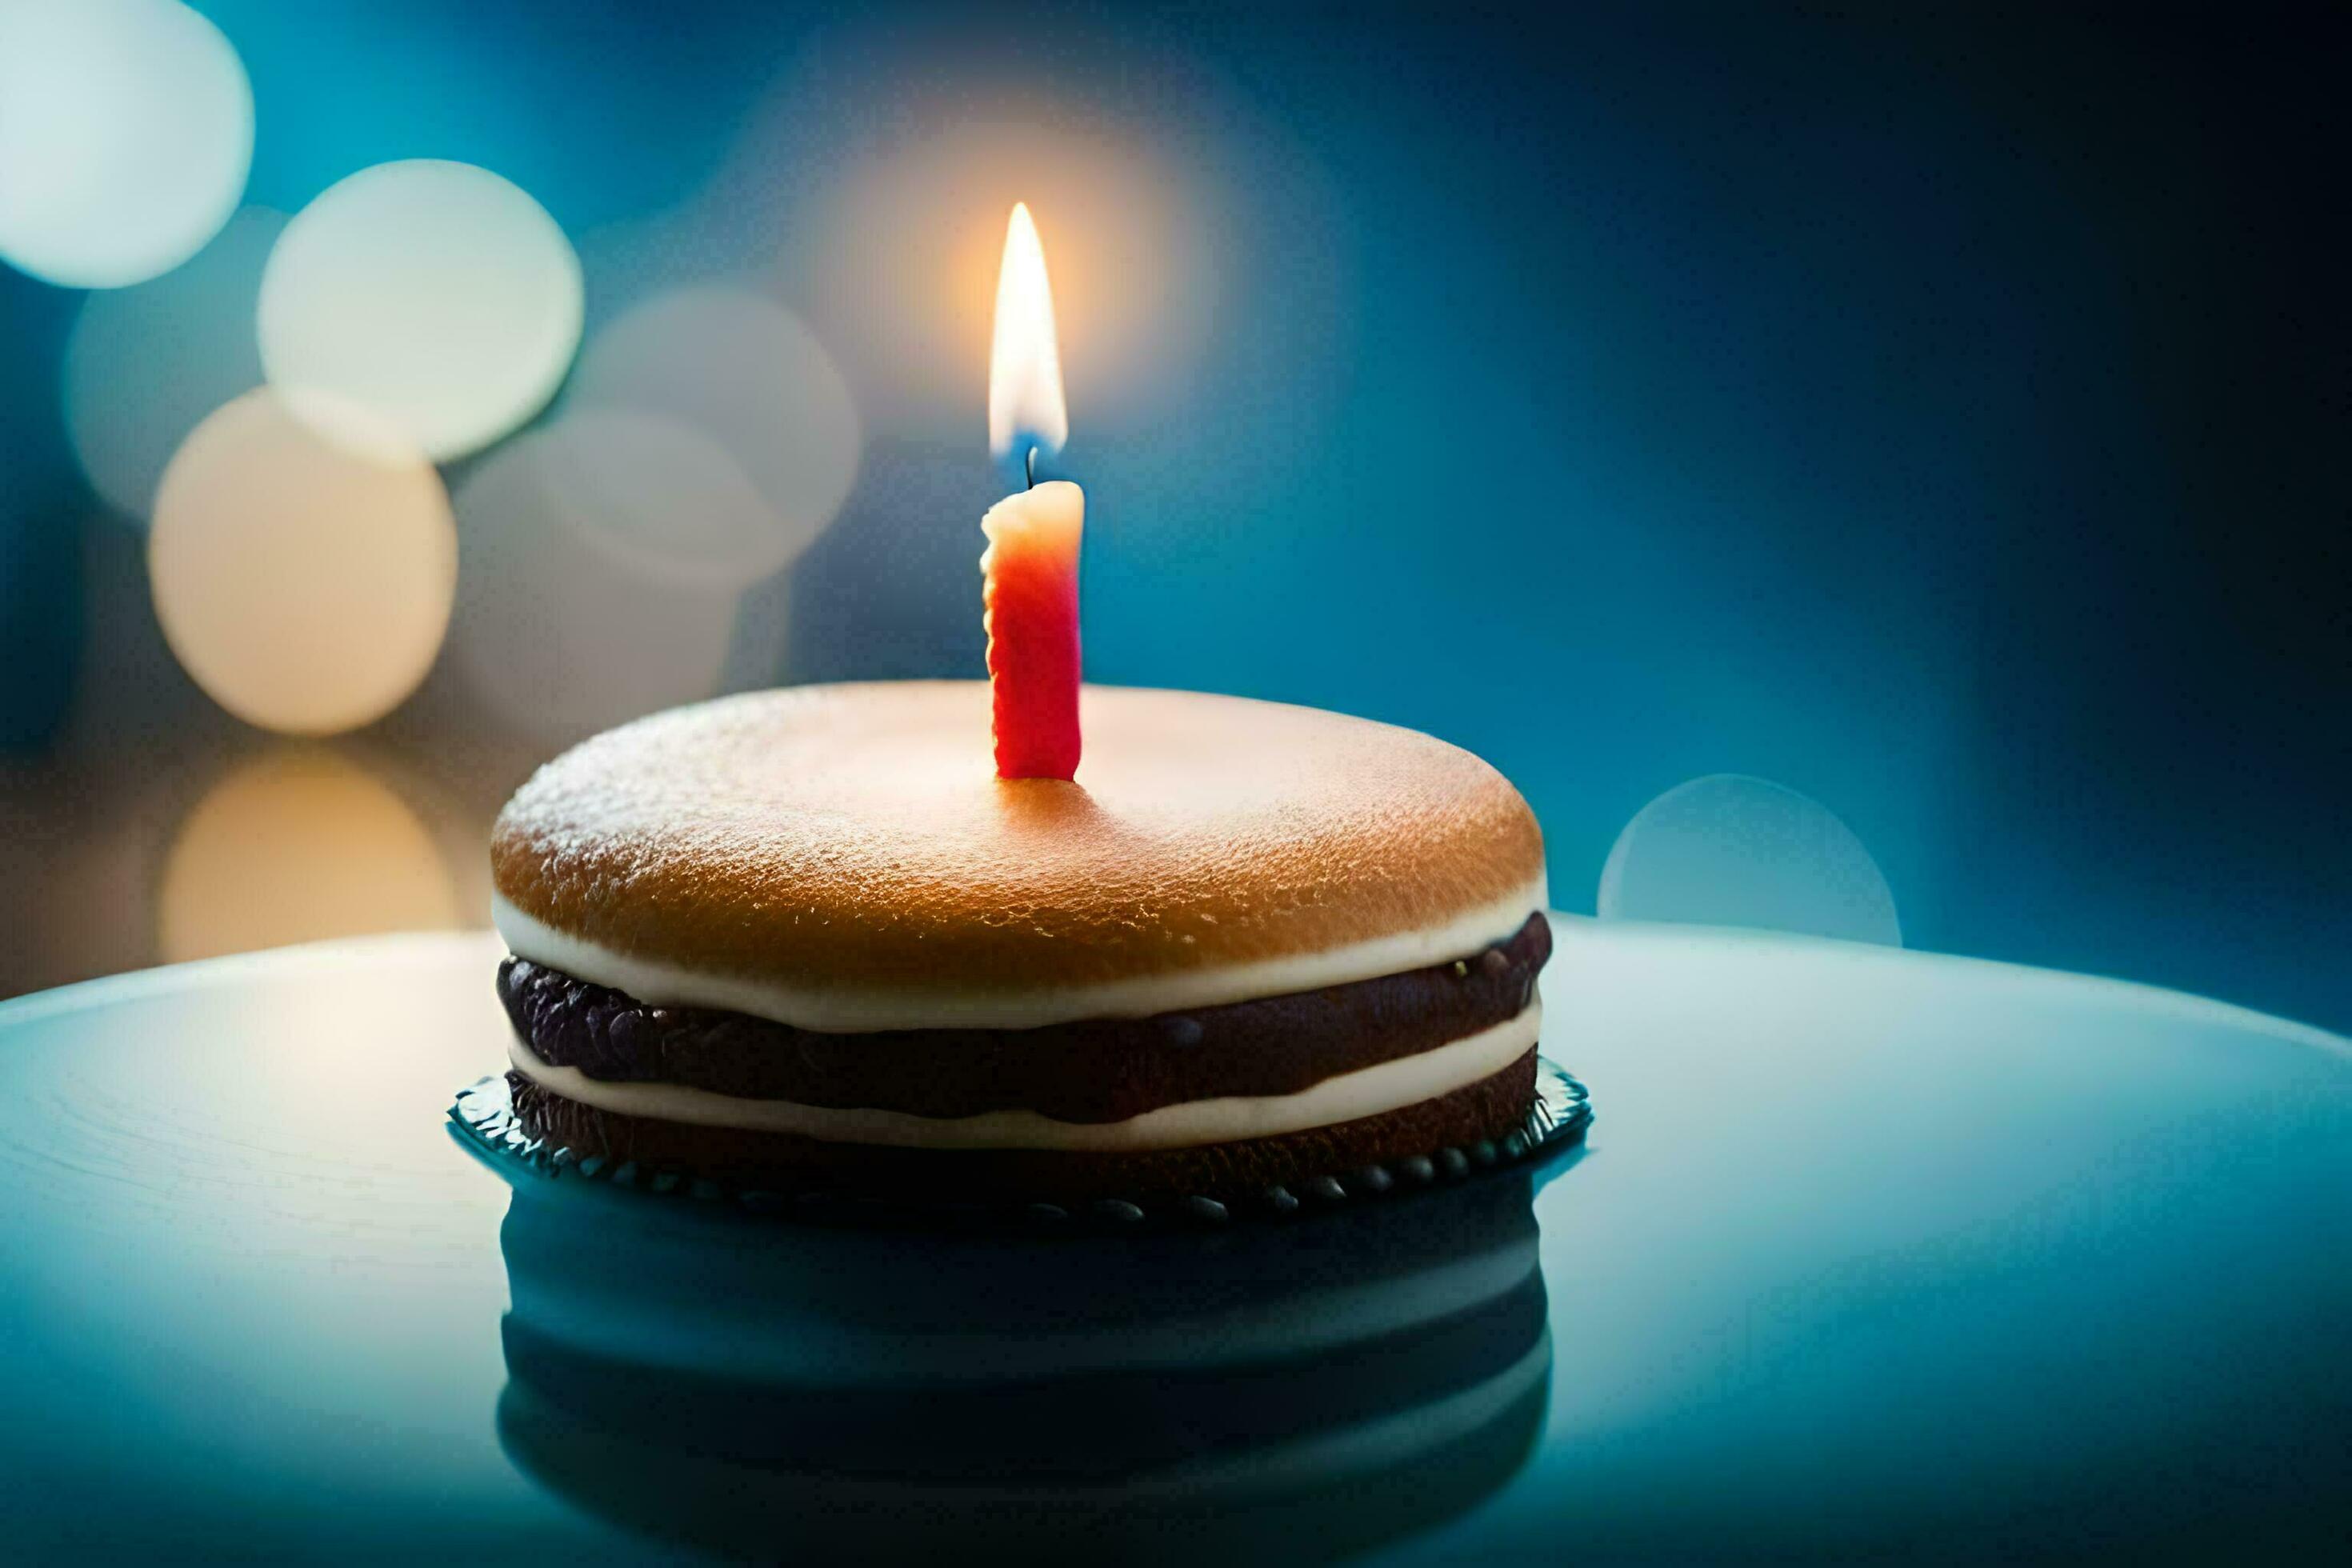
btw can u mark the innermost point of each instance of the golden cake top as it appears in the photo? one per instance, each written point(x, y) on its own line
point(842, 841)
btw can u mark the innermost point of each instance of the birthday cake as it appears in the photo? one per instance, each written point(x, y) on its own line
point(804, 938)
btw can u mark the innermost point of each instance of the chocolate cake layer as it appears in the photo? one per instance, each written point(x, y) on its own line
point(1098, 1070)
point(1487, 1109)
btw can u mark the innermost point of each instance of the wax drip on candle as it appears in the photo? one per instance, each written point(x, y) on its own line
point(1029, 572)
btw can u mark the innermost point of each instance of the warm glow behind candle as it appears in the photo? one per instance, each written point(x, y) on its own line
point(1024, 363)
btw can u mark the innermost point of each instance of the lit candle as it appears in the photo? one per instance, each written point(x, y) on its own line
point(1029, 572)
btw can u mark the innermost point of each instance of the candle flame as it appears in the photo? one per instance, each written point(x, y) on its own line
point(1024, 363)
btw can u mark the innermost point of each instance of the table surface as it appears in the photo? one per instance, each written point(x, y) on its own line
point(1868, 1253)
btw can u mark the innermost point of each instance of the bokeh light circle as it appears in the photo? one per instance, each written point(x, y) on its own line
point(665, 498)
point(126, 133)
point(739, 369)
point(298, 844)
point(303, 580)
point(1733, 850)
point(558, 633)
point(144, 364)
point(434, 295)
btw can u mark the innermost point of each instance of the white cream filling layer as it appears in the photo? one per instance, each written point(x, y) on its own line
point(842, 1010)
point(1368, 1091)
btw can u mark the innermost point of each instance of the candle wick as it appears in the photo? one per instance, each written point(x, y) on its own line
point(1029, 467)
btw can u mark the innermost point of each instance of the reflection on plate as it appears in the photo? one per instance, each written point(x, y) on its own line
point(1296, 1391)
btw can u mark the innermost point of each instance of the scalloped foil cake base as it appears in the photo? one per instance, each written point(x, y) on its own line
point(484, 1116)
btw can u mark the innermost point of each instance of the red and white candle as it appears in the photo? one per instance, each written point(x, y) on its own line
point(1029, 573)
point(1029, 588)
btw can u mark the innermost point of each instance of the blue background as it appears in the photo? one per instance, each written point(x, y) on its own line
point(1945, 417)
